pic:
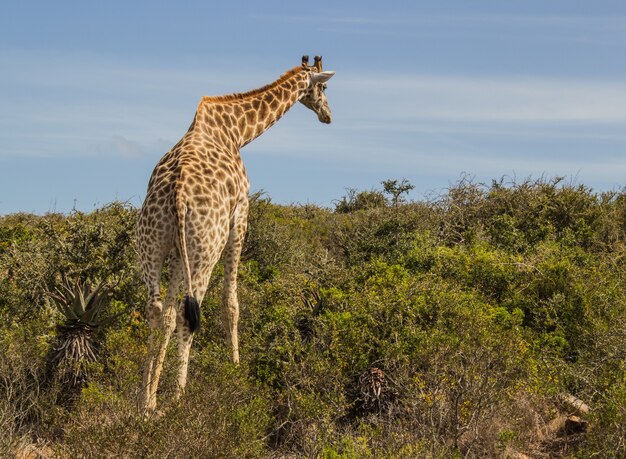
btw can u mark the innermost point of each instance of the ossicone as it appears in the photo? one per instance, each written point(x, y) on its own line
point(318, 63)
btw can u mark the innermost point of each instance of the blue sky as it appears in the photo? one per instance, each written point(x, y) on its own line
point(92, 94)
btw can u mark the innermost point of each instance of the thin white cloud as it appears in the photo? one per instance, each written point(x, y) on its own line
point(126, 147)
point(598, 29)
point(76, 104)
point(389, 18)
point(494, 99)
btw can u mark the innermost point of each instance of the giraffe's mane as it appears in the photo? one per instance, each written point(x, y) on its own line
point(255, 92)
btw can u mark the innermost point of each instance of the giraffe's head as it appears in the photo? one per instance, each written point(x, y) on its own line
point(313, 97)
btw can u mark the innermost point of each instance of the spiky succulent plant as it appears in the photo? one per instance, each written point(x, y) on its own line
point(76, 345)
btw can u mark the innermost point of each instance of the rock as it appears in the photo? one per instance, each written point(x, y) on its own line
point(574, 425)
point(574, 403)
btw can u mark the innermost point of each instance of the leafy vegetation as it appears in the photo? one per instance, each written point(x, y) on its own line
point(382, 328)
point(76, 345)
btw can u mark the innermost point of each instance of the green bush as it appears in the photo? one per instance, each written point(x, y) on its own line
point(445, 328)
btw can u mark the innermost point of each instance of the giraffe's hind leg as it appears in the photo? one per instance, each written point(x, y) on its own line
point(153, 313)
point(184, 335)
point(162, 323)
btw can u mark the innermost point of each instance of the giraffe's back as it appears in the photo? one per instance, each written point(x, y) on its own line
point(210, 182)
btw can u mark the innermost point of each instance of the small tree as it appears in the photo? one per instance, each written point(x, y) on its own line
point(360, 200)
point(396, 190)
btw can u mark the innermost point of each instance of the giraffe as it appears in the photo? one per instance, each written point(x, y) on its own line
point(196, 210)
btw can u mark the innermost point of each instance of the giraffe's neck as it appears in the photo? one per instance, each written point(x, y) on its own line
point(241, 118)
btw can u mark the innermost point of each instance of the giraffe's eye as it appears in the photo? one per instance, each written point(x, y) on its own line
point(324, 86)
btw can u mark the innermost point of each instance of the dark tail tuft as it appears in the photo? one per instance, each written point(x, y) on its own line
point(192, 313)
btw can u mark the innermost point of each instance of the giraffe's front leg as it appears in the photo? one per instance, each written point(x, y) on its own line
point(230, 303)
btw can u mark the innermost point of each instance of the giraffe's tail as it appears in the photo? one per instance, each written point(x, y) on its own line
point(192, 307)
point(192, 313)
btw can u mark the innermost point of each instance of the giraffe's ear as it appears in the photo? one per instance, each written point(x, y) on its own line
point(321, 77)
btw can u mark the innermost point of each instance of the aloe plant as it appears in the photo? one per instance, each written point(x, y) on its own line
point(76, 344)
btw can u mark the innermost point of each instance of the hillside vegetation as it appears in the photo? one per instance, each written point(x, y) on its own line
point(462, 326)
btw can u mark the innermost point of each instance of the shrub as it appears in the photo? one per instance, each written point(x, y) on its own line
point(446, 328)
